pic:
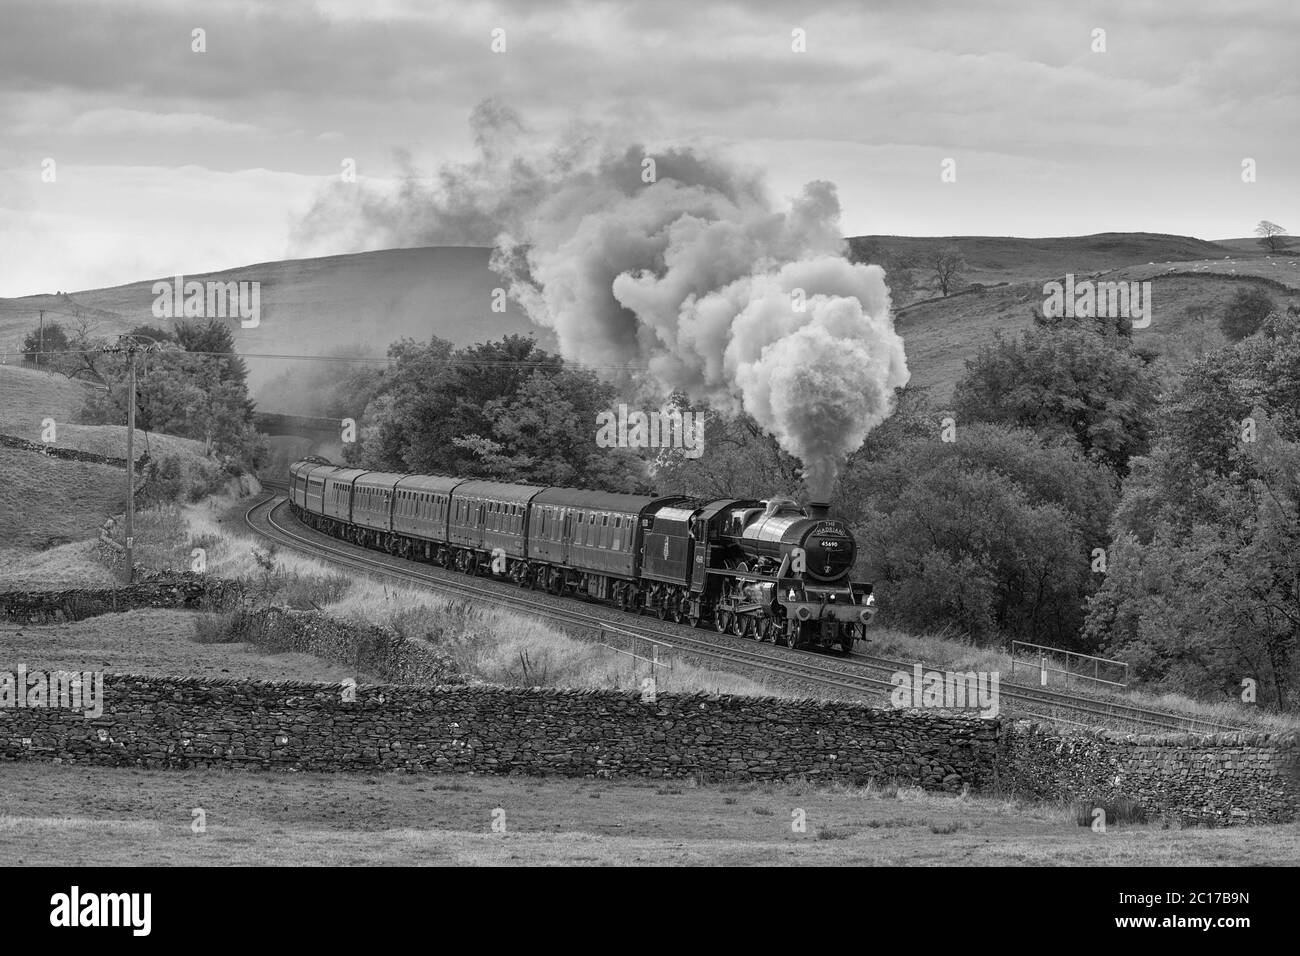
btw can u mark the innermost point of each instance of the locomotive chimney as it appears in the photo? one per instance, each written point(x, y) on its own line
point(819, 509)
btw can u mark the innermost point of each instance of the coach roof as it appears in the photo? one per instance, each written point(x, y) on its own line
point(347, 474)
point(594, 500)
point(438, 484)
point(497, 490)
point(383, 479)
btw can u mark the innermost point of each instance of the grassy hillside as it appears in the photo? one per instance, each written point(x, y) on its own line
point(1009, 259)
point(49, 501)
point(1188, 299)
point(309, 306)
point(29, 396)
point(1251, 244)
point(361, 303)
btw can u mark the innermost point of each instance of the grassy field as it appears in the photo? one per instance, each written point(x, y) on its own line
point(48, 501)
point(73, 816)
point(161, 643)
point(72, 565)
point(945, 653)
point(28, 395)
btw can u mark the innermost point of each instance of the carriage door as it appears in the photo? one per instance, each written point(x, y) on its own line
point(566, 535)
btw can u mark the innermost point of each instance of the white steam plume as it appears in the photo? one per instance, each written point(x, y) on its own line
point(693, 281)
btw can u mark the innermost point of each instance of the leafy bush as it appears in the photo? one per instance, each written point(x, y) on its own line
point(1246, 313)
point(992, 534)
point(174, 477)
point(1079, 382)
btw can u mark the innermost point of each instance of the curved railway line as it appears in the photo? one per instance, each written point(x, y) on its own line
point(860, 675)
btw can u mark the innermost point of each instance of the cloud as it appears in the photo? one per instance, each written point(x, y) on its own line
point(116, 122)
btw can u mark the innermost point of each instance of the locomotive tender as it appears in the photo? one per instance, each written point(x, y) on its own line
point(764, 569)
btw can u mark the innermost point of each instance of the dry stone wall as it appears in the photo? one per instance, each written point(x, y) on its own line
point(170, 590)
point(1216, 779)
point(186, 722)
point(70, 454)
point(427, 720)
point(370, 648)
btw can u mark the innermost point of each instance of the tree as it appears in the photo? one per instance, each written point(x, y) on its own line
point(1065, 381)
point(946, 265)
point(216, 342)
point(42, 341)
point(179, 392)
point(1201, 589)
point(1210, 606)
point(151, 333)
point(898, 267)
point(1271, 236)
point(545, 434)
point(1246, 313)
point(992, 533)
point(741, 461)
point(504, 409)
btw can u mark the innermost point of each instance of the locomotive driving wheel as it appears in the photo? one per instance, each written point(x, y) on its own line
point(739, 625)
point(762, 629)
point(661, 603)
point(722, 620)
point(681, 607)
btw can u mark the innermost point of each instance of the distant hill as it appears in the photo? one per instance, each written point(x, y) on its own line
point(1010, 259)
point(363, 302)
point(1188, 299)
point(1251, 244)
point(311, 306)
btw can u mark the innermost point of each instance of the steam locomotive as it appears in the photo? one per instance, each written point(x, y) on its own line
point(770, 570)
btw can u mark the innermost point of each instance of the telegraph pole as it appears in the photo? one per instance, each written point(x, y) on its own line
point(129, 346)
point(130, 471)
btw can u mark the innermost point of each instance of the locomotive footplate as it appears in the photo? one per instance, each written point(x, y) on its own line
point(816, 611)
point(816, 604)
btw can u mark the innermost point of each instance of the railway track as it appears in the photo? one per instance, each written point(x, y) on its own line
point(1027, 695)
point(393, 568)
point(861, 675)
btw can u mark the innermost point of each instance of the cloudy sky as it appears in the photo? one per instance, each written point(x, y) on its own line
point(169, 160)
